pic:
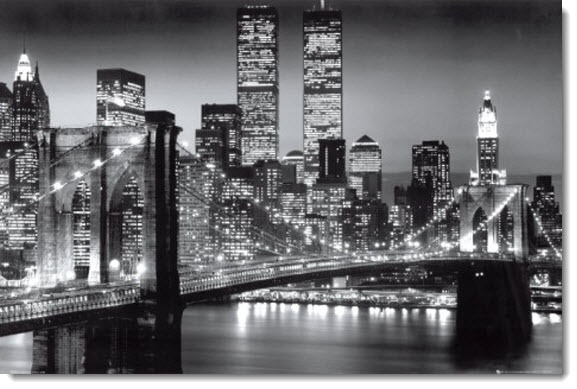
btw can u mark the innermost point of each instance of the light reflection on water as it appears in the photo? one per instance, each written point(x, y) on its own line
point(259, 338)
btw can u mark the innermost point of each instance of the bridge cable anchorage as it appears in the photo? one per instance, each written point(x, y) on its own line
point(254, 203)
point(75, 177)
point(538, 220)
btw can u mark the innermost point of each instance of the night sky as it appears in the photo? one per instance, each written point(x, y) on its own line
point(413, 70)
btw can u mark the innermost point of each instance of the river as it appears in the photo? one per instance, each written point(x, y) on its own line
point(273, 338)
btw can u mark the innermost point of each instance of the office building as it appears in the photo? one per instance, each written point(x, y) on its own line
point(6, 113)
point(365, 171)
point(332, 157)
point(322, 33)
point(120, 98)
point(295, 158)
point(547, 209)
point(488, 172)
point(258, 82)
point(228, 119)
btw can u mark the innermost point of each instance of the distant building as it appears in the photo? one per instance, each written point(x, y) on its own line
point(323, 100)
point(258, 82)
point(488, 172)
point(120, 98)
point(227, 119)
point(236, 224)
point(316, 232)
point(196, 240)
point(332, 160)
point(6, 113)
point(431, 191)
point(30, 106)
point(548, 211)
point(365, 225)
point(400, 218)
point(295, 158)
point(327, 199)
point(365, 171)
point(211, 146)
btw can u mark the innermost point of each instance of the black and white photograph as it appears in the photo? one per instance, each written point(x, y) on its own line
point(282, 187)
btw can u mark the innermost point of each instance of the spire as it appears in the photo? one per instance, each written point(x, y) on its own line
point(23, 70)
point(24, 45)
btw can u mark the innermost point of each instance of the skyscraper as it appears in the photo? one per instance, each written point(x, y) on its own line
point(322, 32)
point(6, 113)
point(30, 107)
point(257, 82)
point(120, 98)
point(332, 157)
point(211, 146)
point(365, 171)
point(488, 172)
point(30, 112)
point(227, 119)
point(548, 211)
point(431, 190)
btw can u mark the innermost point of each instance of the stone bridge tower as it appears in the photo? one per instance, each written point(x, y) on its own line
point(106, 158)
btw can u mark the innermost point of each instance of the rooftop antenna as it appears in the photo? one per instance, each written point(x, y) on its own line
point(24, 44)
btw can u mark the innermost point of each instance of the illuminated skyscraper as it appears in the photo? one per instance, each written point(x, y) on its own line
point(548, 210)
point(488, 172)
point(431, 190)
point(211, 146)
point(6, 113)
point(238, 216)
point(365, 172)
point(227, 119)
point(257, 82)
point(120, 98)
point(322, 84)
point(295, 158)
point(30, 107)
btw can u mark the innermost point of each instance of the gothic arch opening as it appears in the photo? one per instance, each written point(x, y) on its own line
point(81, 229)
point(480, 234)
point(505, 227)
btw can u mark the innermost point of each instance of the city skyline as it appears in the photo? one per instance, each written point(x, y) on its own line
point(403, 125)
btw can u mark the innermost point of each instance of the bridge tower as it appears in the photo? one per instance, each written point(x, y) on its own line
point(107, 158)
point(493, 201)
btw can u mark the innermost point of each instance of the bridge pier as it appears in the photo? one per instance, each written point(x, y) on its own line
point(493, 305)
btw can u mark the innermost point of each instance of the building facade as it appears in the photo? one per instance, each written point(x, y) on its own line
point(120, 98)
point(258, 82)
point(365, 170)
point(547, 209)
point(227, 119)
point(323, 100)
point(295, 158)
point(488, 172)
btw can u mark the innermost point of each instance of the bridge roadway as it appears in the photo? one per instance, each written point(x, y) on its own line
point(50, 307)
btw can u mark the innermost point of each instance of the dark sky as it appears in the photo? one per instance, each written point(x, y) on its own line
point(413, 70)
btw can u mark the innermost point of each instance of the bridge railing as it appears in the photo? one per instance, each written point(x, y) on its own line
point(62, 304)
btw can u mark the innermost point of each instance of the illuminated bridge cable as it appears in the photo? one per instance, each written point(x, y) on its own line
point(57, 186)
point(220, 208)
point(253, 202)
point(539, 222)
